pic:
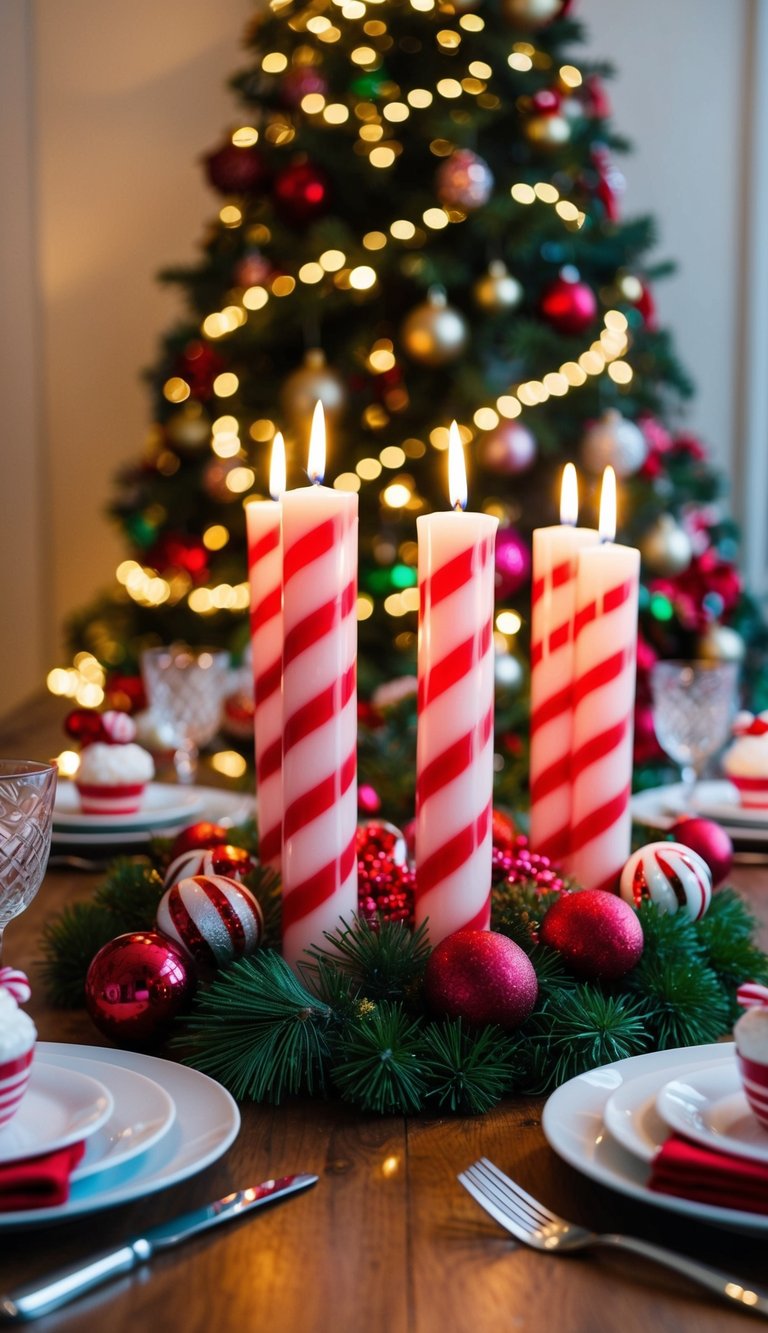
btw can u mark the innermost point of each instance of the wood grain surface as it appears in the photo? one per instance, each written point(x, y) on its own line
point(388, 1241)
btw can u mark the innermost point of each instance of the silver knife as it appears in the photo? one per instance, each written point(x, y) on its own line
point(65, 1285)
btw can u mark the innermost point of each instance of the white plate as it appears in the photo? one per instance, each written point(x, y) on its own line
point(143, 1113)
point(573, 1125)
point(207, 1122)
point(213, 803)
point(661, 807)
point(709, 1106)
point(60, 1106)
point(163, 804)
point(631, 1116)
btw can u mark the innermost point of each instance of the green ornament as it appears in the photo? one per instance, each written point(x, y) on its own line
point(141, 530)
point(370, 84)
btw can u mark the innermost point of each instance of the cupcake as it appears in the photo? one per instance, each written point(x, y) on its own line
point(746, 762)
point(17, 1043)
point(114, 771)
point(751, 1036)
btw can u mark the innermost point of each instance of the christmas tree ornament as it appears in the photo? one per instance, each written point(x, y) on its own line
point(594, 98)
point(464, 181)
point(84, 726)
point(233, 170)
point(547, 130)
point(189, 429)
point(512, 561)
point(569, 304)
point(299, 82)
point(237, 715)
point(199, 364)
point(496, 289)
point(180, 551)
point(672, 876)
point(212, 918)
point(503, 831)
point(216, 474)
point(136, 986)
point(710, 841)
point(232, 862)
point(533, 13)
point(302, 193)
point(313, 382)
point(203, 834)
point(385, 879)
point(720, 643)
point(610, 181)
point(596, 933)
point(616, 442)
point(509, 448)
point(666, 547)
point(434, 333)
point(508, 672)
point(481, 977)
point(253, 270)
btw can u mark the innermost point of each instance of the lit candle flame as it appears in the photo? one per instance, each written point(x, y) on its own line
point(607, 524)
point(277, 467)
point(569, 496)
point(457, 472)
point(316, 461)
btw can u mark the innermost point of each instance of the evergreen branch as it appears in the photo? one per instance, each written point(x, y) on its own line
point(468, 1072)
point(377, 1062)
point(387, 960)
point(584, 1028)
point(684, 1001)
point(69, 942)
point(130, 894)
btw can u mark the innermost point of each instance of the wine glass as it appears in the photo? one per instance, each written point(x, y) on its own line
point(27, 791)
point(693, 706)
point(185, 688)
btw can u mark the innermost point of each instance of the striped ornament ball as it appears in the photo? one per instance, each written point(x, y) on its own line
point(672, 876)
point(213, 918)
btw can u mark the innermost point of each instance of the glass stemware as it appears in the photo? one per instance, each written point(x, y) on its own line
point(693, 707)
point(27, 791)
point(185, 689)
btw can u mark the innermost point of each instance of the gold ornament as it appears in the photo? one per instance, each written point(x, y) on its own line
point(720, 643)
point(313, 382)
point(188, 429)
point(434, 333)
point(666, 547)
point(550, 131)
point(531, 13)
point(497, 289)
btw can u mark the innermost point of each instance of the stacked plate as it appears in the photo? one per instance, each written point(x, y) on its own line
point(661, 807)
point(147, 1123)
point(610, 1122)
point(165, 810)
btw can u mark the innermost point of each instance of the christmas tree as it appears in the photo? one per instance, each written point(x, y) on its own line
point(418, 220)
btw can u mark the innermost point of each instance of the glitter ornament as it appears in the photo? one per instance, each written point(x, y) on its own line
point(666, 547)
point(189, 429)
point(482, 978)
point(508, 449)
point(596, 933)
point(313, 382)
point(301, 193)
point(233, 862)
point(202, 834)
point(569, 304)
point(384, 877)
point(513, 562)
point(672, 876)
point(434, 333)
point(212, 918)
point(233, 170)
point(136, 986)
point(710, 841)
point(497, 289)
point(464, 181)
point(616, 442)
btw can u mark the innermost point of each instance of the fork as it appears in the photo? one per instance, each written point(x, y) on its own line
point(533, 1224)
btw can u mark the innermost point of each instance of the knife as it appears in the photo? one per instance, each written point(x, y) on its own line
point(68, 1283)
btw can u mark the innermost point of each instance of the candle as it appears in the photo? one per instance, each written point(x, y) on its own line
point(555, 554)
point(319, 706)
point(265, 573)
point(605, 651)
point(454, 752)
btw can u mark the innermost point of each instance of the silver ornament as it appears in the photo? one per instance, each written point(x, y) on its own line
point(434, 333)
point(720, 643)
point(666, 547)
point(497, 289)
point(313, 382)
point(616, 442)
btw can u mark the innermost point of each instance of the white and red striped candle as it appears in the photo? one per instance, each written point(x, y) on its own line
point(319, 706)
point(605, 653)
point(555, 554)
point(454, 751)
point(265, 572)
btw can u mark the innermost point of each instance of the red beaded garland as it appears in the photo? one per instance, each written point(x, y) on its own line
point(385, 880)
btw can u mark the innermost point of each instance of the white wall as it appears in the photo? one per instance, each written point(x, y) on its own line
point(111, 107)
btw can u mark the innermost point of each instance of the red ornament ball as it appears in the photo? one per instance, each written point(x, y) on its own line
point(212, 918)
point(509, 449)
point(512, 561)
point(234, 862)
point(299, 82)
point(596, 933)
point(135, 987)
point(503, 830)
point(84, 725)
point(385, 880)
point(301, 193)
point(481, 977)
point(202, 834)
point(672, 876)
point(253, 269)
point(233, 170)
point(710, 841)
point(464, 181)
point(569, 304)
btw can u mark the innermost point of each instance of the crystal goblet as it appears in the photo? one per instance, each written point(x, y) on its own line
point(693, 707)
point(185, 689)
point(27, 792)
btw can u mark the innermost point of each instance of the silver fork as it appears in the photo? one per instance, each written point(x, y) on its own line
point(533, 1224)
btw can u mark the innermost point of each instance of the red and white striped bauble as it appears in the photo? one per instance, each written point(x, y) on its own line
point(672, 876)
point(119, 728)
point(319, 714)
point(454, 753)
point(232, 862)
point(752, 995)
point(14, 1077)
point(213, 918)
point(17, 983)
point(265, 571)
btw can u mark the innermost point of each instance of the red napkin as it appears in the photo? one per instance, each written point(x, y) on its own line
point(705, 1176)
point(38, 1182)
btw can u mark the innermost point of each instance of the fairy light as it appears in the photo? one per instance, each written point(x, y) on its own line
point(449, 39)
point(230, 215)
point(274, 63)
point(449, 88)
point(368, 469)
point(520, 61)
point(229, 762)
point(371, 133)
point(240, 479)
point(392, 456)
point(364, 55)
point(67, 763)
point(436, 218)
point(522, 193)
point(570, 76)
point(402, 230)
point(347, 481)
point(176, 390)
point(362, 278)
point(480, 70)
point(216, 537)
point(383, 156)
point(336, 113)
point(283, 285)
point(471, 23)
point(226, 445)
point(313, 103)
point(311, 273)
point(332, 260)
point(509, 622)
point(396, 495)
point(395, 112)
point(255, 298)
point(620, 372)
point(226, 384)
point(245, 137)
point(419, 98)
point(546, 192)
point(364, 606)
point(381, 357)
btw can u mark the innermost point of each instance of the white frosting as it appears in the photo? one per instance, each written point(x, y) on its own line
point(17, 1031)
point(747, 757)
point(751, 1034)
point(114, 765)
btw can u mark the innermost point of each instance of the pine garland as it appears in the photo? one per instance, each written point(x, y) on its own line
point(377, 1061)
point(469, 1072)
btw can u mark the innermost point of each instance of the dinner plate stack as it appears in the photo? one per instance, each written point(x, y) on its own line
point(661, 807)
point(166, 808)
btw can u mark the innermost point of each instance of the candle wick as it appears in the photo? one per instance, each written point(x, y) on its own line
point(458, 507)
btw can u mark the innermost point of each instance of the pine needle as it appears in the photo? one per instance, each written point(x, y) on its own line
point(69, 942)
point(376, 1062)
point(387, 963)
point(584, 1028)
point(468, 1072)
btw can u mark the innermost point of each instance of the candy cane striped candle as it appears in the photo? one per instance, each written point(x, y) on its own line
point(265, 572)
point(605, 651)
point(319, 706)
point(454, 750)
point(555, 552)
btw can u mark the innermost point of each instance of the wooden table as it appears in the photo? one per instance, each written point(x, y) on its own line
point(388, 1241)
